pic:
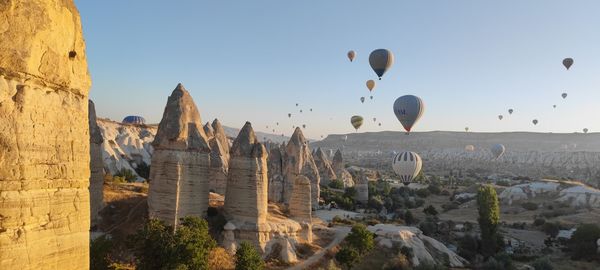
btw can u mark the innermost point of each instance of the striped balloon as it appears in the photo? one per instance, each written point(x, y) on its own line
point(407, 166)
point(381, 60)
point(356, 121)
point(498, 150)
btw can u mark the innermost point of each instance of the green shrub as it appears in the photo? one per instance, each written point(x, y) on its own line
point(248, 258)
point(423, 193)
point(539, 222)
point(127, 174)
point(159, 246)
point(583, 242)
point(347, 256)
point(99, 253)
point(530, 206)
point(430, 210)
point(542, 264)
point(360, 239)
point(551, 229)
point(337, 184)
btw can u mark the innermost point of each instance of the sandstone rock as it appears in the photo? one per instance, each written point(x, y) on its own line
point(276, 178)
point(44, 139)
point(338, 167)
point(96, 166)
point(246, 195)
point(425, 249)
point(208, 131)
point(324, 166)
point(126, 147)
point(362, 189)
point(219, 157)
point(299, 161)
point(180, 163)
point(300, 202)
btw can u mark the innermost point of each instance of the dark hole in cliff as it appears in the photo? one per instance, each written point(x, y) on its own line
point(72, 54)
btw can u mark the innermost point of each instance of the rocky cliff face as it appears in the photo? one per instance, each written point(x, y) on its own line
point(180, 163)
point(219, 157)
point(339, 168)
point(44, 137)
point(126, 146)
point(246, 196)
point(300, 202)
point(299, 161)
point(96, 166)
point(362, 189)
point(276, 178)
point(574, 194)
point(324, 166)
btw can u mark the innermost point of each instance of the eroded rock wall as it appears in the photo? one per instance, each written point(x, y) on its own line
point(96, 166)
point(44, 137)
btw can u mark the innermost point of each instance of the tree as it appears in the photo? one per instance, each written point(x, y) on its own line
point(489, 217)
point(159, 246)
point(408, 217)
point(347, 256)
point(583, 242)
point(350, 192)
point(360, 239)
point(430, 210)
point(99, 253)
point(247, 258)
point(551, 229)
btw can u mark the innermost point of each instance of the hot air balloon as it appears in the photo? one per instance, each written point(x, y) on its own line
point(351, 55)
point(371, 97)
point(374, 119)
point(356, 121)
point(381, 60)
point(408, 110)
point(535, 121)
point(379, 124)
point(134, 119)
point(564, 95)
point(303, 126)
point(289, 115)
point(300, 111)
point(500, 117)
point(498, 150)
point(362, 99)
point(311, 109)
point(554, 106)
point(567, 62)
point(273, 131)
point(296, 104)
point(466, 129)
point(510, 111)
point(407, 166)
point(277, 123)
point(371, 85)
point(470, 148)
point(585, 130)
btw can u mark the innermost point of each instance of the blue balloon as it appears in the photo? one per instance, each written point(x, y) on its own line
point(134, 119)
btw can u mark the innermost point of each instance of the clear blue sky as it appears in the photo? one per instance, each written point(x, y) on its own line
point(253, 60)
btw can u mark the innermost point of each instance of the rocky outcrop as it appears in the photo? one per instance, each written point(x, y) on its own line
point(180, 163)
point(276, 178)
point(300, 202)
point(362, 189)
point(96, 166)
point(339, 168)
point(126, 146)
point(44, 137)
point(571, 193)
point(324, 166)
point(299, 161)
point(219, 157)
point(246, 195)
point(425, 249)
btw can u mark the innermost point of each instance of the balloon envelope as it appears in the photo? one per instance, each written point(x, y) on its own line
point(567, 62)
point(134, 119)
point(362, 99)
point(408, 110)
point(407, 166)
point(535, 121)
point(470, 148)
point(585, 130)
point(500, 117)
point(510, 111)
point(467, 129)
point(381, 60)
point(564, 95)
point(356, 122)
point(371, 85)
point(289, 115)
point(498, 150)
point(351, 55)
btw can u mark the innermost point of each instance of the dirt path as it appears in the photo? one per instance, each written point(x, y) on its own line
point(340, 234)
